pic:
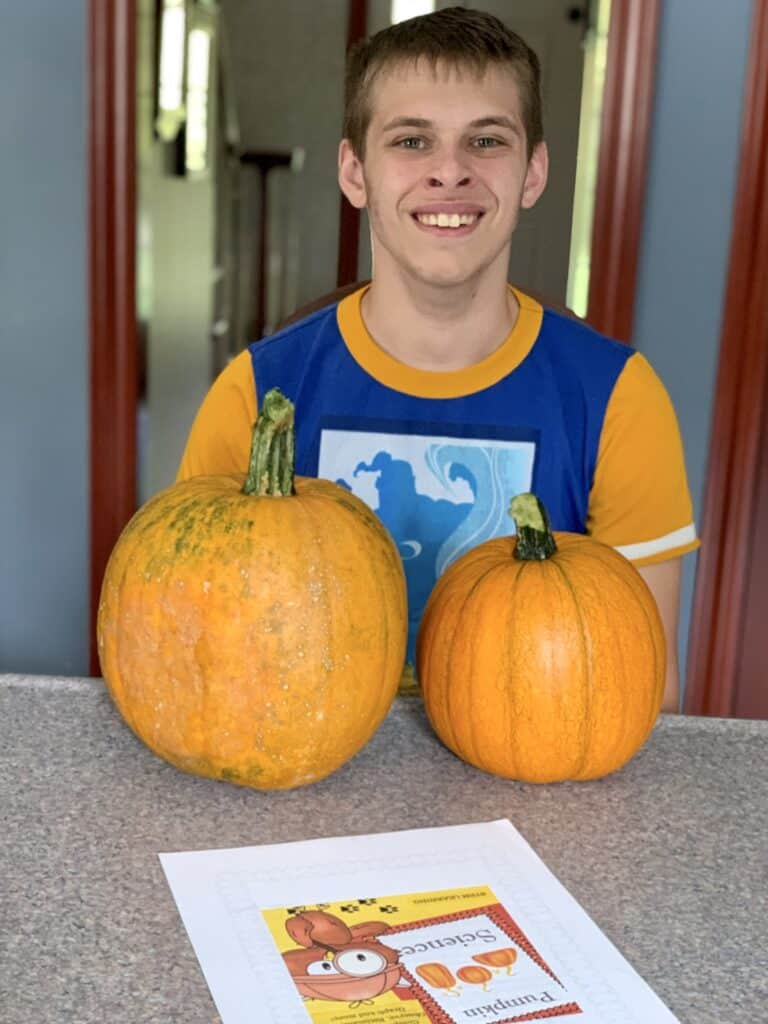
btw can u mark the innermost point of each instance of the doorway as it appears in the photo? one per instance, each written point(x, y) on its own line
point(114, 27)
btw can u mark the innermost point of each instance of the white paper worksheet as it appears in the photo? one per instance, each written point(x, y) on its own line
point(440, 926)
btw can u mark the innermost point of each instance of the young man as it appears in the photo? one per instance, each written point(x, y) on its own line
point(439, 391)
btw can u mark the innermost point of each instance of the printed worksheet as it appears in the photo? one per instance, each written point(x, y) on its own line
point(431, 926)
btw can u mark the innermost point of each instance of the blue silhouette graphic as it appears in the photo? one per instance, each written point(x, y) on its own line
point(431, 532)
point(419, 525)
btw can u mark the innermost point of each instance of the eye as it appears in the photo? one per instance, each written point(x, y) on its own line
point(487, 142)
point(322, 967)
point(360, 962)
point(411, 142)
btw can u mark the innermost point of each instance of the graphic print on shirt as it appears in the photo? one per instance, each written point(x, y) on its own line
point(439, 496)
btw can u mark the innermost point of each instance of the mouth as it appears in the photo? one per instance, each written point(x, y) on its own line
point(448, 225)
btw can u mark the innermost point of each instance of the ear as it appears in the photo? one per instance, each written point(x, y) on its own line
point(351, 181)
point(366, 929)
point(315, 926)
point(299, 929)
point(535, 176)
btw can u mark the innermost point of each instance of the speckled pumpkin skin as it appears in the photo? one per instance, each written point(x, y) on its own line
point(542, 671)
point(254, 639)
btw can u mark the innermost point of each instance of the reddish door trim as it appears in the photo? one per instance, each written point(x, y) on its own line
point(349, 217)
point(741, 395)
point(622, 165)
point(112, 241)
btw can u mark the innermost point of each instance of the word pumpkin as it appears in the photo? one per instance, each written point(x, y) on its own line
point(541, 657)
point(254, 629)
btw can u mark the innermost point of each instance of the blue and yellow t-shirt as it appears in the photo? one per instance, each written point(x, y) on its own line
point(557, 409)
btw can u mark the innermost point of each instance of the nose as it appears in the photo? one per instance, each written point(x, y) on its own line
point(449, 169)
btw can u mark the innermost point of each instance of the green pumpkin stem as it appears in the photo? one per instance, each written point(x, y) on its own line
point(271, 467)
point(535, 541)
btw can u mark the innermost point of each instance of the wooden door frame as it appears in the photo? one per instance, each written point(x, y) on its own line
point(112, 173)
point(112, 283)
point(349, 216)
point(729, 522)
point(624, 155)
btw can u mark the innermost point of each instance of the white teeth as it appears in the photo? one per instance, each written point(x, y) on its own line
point(446, 220)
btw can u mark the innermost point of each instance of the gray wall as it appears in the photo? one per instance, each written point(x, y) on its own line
point(43, 339)
point(684, 260)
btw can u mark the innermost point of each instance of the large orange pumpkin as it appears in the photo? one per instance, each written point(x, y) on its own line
point(254, 632)
point(541, 657)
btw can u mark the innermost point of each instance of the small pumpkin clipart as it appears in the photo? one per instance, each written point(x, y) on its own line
point(254, 629)
point(541, 657)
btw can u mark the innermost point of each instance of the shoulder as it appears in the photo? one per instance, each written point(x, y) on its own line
point(575, 340)
point(219, 440)
point(298, 334)
point(576, 343)
point(640, 395)
point(234, 381)
point(581, 362)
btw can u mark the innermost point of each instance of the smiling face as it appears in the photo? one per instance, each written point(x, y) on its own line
point(445, 172)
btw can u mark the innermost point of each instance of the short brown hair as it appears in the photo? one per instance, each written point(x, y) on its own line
point(455, 36)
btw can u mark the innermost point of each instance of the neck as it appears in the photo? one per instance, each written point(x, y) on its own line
point(439, 328)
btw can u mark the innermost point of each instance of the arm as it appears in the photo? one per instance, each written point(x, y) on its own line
point(640, 502)
point(663, 579)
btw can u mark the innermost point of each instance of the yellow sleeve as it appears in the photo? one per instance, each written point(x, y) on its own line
point(220, 439)
point(640, 502)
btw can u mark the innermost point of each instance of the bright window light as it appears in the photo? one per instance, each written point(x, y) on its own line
point(198, 62)
point(401, 10)
point(171, 84)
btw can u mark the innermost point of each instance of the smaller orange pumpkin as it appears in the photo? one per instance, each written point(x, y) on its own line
point(541, 657)
point(475, 976)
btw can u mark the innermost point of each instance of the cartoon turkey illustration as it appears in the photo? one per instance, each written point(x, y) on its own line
point(336, 962)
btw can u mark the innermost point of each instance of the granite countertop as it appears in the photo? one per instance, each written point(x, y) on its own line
point(668, 856)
